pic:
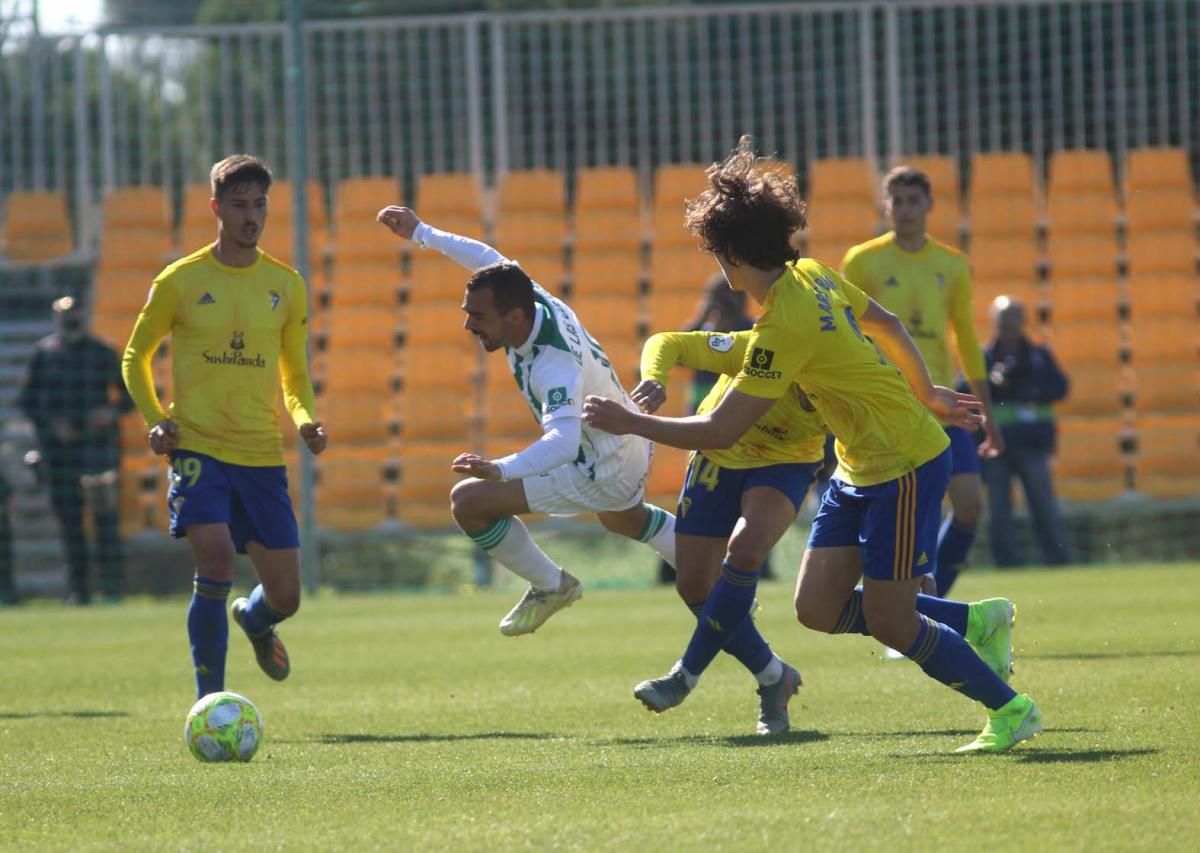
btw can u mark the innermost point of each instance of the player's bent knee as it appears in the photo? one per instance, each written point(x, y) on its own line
point(813, 617)
point(468, 504)
point(628, 523)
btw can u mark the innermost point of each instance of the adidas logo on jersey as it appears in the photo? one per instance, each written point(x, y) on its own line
point(206, 299)
point(891, 282)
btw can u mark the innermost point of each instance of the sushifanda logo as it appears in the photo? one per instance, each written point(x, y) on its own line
point(237, 357)
point(760, 364)
point(720, 343)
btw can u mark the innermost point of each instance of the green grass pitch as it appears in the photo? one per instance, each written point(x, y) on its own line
point(409, 722)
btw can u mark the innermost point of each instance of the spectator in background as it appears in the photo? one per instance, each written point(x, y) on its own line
point(73, 394)
point(721, 309)
point(8, 587)
point(1025, 381)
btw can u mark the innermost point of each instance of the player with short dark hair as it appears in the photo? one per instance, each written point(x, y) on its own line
point(878, 519)
point(927, 284)
point(571, 468)
point(238, 321)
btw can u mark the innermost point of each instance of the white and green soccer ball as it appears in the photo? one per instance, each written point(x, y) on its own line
point(223, 727)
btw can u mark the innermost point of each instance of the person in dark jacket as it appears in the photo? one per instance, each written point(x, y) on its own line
point(1025, 381)
point(73, 393)
point(8, 586)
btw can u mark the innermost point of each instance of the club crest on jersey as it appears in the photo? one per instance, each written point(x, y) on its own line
point(274, 299)
point(238, 341)
point(557, 398)
point(720, 343)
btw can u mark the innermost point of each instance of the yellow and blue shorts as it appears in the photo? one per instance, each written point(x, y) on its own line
point(895, 523)
point(710, 503)
point(252, 500)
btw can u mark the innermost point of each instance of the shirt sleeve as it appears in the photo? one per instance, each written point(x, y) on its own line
point(854, 269)
point(776, 353)
point(962, 321)
point(558, 445)
point(293, 358)
point(858, 298)
point(464, 251)
point(124, 402)
point(714, 352)
point(557, 381)
point(153, 324)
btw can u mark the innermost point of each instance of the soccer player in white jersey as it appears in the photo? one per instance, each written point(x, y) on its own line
point(572, 468)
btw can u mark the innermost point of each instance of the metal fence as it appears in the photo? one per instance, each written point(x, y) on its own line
point(489, 93)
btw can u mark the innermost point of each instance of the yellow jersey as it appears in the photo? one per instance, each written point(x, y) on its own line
point(930, 291)
point(236, 332)
point(791, 431)
point(808, 334)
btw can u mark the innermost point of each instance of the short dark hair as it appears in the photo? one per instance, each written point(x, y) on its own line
point(511, 286)
point(907, 176)
point(238, 169)
point(750, 212)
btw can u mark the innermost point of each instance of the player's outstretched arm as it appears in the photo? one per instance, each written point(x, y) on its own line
point(472, 254)
point(718, 429)
point(558, 445)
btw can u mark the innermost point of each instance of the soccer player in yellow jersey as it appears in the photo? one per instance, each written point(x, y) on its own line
point(927, 284)
point(879, 518)
point(238, 321)
point(736, 503)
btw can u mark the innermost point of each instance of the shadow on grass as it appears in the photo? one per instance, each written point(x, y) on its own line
point(428, 738)
point(956, 732)
point(717, 740)
point(80, 715)
point(1033, 754)
point(1166, 653)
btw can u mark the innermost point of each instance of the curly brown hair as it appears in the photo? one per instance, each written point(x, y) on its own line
point(750, 213)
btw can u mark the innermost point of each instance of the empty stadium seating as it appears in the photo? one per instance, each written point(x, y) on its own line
point(36, 226)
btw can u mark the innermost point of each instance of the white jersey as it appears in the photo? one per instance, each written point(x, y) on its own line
point(560, 365)
point(555, 369)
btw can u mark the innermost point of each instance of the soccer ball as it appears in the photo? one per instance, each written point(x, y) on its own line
point(223, 727)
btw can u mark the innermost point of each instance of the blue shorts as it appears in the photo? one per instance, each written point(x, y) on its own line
point(895, 523)
point(964, 450)
point(711, 501)
point(252, 500)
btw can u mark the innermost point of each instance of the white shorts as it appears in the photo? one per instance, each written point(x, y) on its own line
point(568, 490)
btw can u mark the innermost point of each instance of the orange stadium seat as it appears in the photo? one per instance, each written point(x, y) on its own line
point(523, 232)
point(1002, 173)
point(849, 179)
point(449, 194)
point(1167, 463)
point(139, 249)
point(831, 250)
point(668, 229)
point(548, 270)
point(853, 221)
point(1157, 168)
point(1160, 253)
point(608, 317)
point(432, 277)
point(437, 366)
point(423, 493)
point(1085, 298)
point(1166, 340)
point(608, 231)
point(367, 241)
point(667, 471)
point(681, 270)
point(506, 412)
point(137, 207)
point(607, 274)
point(1079, 213)
point(671, 312)
point(121, 291)
point(1093, 391)
point(1082, 255)
point(1166, 388)
point(1001, 257)
point(434, 323)
point(677, 182)
point(356, 418)
point(1087, 343)
point(361, 327)
point(351, 487)
point(1012, 216)
point(625, 358)
point(353, 369)
point(428, 415)
point(1080, 171)
point(36, 226)
point(365, 282)
point(1171, 209)
point(529, 190)
point(607, 188)
point(1165, 293)
point(1088, 464)
point(357, 200)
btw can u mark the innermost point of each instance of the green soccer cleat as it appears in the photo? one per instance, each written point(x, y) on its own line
point(989, 632)
point(269, 650)
point(1019, 719)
